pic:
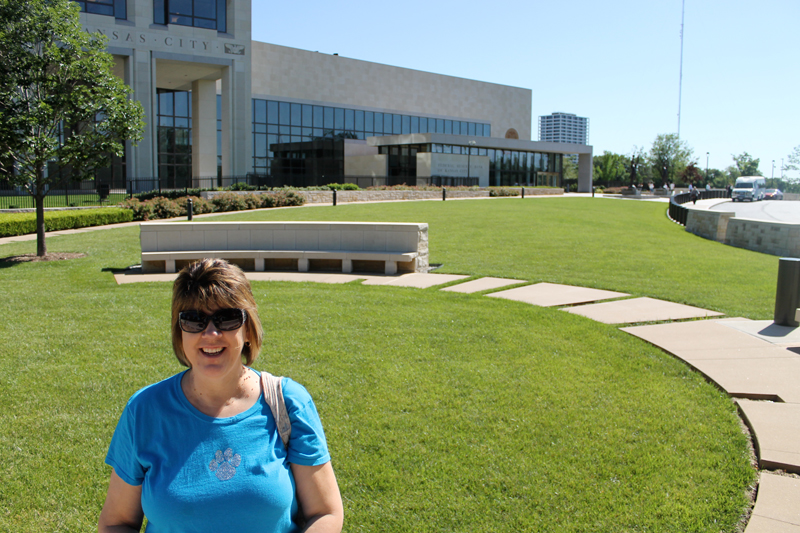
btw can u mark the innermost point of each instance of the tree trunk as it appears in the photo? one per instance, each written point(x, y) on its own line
point(41, 247)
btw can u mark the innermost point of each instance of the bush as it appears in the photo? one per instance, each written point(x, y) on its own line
point(287, 199)
point(12, 224)
point(141, 210)
point(166, 208)
point(172, 195)
point(502, 191)
point(343, 187)
point(229, 201)
point(242, 186)
point(199, 205)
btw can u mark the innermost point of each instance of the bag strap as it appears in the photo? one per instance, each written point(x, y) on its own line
point(273, 395)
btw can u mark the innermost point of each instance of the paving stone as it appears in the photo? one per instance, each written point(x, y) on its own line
point(706, 339)
point(482, 284)
point(777, 430)
point(417, 280)
point(777, 508)
point(759, 524)
point(639, 310)
point(767, 330)
point(552, 294)
point(763, 378)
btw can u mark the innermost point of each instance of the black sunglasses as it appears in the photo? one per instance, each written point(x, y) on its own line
point(224, 320)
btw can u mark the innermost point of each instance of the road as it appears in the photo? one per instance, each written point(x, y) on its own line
point(771, 210)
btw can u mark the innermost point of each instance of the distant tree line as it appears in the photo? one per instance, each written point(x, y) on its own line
point(671, 160)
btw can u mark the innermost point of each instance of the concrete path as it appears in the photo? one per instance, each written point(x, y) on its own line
point(755, 362)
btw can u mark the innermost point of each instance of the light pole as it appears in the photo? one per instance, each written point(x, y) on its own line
point(469, 154)
point(706, 167)
point(773, 172)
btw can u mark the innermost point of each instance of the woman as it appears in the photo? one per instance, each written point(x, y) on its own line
point(200, 451)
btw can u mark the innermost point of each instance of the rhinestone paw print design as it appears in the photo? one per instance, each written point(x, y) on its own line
point(224, 464)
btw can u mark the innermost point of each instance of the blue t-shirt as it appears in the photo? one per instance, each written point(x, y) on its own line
point(199, 473)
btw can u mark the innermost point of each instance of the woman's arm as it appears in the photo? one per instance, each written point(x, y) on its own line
point(319, 498)
point(122, 512)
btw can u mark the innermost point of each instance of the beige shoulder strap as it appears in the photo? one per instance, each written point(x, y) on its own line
point(273, 395)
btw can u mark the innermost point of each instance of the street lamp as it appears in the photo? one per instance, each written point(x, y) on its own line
point(469, 155)
point(706, 167)
point(773, 172)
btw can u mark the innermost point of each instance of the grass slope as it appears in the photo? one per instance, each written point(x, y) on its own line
point(444, 412)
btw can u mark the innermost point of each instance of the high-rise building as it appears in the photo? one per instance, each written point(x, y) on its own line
point(564, 128)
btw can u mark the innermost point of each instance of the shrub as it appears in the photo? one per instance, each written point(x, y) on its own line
point(242, 186)
point(229, 201)
point(172, 195)
point(199, 205)
point(140, 210)
point(343, 187)
point(166, 208)
point(12, 224)
point(502, 191)
point(288, 199)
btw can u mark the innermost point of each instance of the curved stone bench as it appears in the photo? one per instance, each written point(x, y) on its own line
point(300, 246)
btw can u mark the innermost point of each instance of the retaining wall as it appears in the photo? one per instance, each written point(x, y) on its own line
point(775, 238)
point(326, 197)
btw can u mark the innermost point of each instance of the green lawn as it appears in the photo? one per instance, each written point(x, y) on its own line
point(444, 412)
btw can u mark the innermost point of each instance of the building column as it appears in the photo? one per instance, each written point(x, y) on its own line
point(237, 123)
point(585, 172)
point(204, 131)
point(142, 157)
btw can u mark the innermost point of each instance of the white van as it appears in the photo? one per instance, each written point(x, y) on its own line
point(749, 188)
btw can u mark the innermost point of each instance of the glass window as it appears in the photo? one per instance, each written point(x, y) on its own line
point(182, 99)
point(423, 125)
point(397, 124)
point(272, 112)
point(464, 128)
point(415, 124)
point(209, 14)
point(378, 124)
point(487, 130)
point(349, 119)
point(114, 8)
point(368, 118)
point(308, 116)
point(328, 123)
point(359, 125)
point(439, 125)
point(471, 129)
point(285, 116)
point(260, 111)
point(338, 118)
point(318, 112)
point(297, 115)
point(448, 126)
point(387, 123)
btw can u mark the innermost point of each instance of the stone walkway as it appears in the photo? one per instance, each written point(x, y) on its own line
point(756, 362)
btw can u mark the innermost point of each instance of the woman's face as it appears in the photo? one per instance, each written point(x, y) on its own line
point(212, 353)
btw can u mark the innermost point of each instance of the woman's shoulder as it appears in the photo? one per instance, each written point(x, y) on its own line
point(156, 392)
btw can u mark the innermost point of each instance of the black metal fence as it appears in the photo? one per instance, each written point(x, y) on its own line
point(678, 213)
point(100, 192)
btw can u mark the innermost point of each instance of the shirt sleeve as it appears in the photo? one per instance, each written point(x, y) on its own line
point(307, 445)
point(122, 456)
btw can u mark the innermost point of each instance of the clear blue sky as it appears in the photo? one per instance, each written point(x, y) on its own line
point(615, 62)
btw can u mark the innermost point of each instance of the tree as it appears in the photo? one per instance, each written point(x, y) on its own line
point(746, 165)
point(59, 99)
point(669, 156)
point(691, 174)
point(793, 162)
point(609, 167)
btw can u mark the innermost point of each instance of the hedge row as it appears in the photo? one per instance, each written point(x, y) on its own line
point(162, 207)
point(12, 224)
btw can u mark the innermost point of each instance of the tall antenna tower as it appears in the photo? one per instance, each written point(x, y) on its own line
point(680, 77)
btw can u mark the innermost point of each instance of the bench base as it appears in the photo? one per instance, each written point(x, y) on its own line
point(300, 261)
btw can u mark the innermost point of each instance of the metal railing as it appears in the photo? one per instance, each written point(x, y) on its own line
point(678, 213)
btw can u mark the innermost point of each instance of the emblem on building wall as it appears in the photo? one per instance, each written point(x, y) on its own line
point(235, 49)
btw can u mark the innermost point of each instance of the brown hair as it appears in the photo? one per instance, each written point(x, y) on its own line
point(210, 284)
